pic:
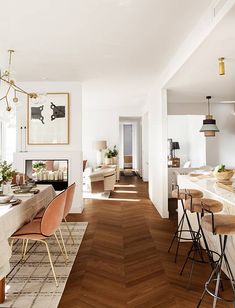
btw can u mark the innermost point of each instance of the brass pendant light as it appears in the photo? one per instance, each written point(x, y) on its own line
point(221, 66)
point(209, 127)
point(11, 86)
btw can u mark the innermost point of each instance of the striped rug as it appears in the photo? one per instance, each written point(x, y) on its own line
point(30, 284)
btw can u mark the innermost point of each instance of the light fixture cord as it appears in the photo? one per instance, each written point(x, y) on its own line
point(9, 64)
point(209, 112)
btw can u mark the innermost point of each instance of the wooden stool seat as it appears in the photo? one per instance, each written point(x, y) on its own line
point(180, 194)
point(209, 204)
point(224, 224)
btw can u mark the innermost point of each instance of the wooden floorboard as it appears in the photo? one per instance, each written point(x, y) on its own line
point(123, 259)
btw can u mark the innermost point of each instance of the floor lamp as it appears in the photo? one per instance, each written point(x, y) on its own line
point(100, 146)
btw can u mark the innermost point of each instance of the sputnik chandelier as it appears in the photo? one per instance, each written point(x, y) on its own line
point(11, 86)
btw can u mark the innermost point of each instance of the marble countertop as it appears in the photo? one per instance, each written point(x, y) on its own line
point(209, 184)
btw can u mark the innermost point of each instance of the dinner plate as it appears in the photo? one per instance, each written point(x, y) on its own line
point(12, 202)
point(22, 191)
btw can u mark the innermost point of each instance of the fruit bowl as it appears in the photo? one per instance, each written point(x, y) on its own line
point(222, 174)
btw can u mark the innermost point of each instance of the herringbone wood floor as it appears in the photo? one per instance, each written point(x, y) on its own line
point(123, 259)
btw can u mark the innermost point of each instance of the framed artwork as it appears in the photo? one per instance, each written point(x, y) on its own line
point(48, 120)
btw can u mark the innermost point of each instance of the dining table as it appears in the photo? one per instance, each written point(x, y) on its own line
point(12, 217)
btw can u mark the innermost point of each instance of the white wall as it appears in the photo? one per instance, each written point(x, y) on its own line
point(158, 171)
point(75, 145)
point(185, 130)
point(145, 147)
point(102, 123)
point(219, 149)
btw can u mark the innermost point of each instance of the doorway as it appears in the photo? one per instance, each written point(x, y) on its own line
point(128, 146)
point(130, 140)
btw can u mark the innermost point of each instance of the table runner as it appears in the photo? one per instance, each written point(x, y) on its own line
point(11, 219)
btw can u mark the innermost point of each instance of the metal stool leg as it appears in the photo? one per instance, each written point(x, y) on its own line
point(217, 274)
point(176, 232)
point(179, 231)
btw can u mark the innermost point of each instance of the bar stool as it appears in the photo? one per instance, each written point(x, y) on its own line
point(181, 194)
point(222, 225)
point(195, 254)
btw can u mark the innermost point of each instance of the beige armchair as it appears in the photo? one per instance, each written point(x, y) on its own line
point(102, 180)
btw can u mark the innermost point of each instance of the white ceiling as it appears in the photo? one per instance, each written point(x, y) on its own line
point(94, 39)
point(199, 75)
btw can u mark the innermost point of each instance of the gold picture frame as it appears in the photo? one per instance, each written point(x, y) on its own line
point(55, 117)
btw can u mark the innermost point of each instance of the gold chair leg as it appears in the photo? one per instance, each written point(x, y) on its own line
point(22, 248)
point(51, 263)
point(60, 248)
point(25, 249)
point(70, 233)
point(11, 244)
point(62, 240)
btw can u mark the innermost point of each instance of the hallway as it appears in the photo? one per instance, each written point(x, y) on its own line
point(123, 262)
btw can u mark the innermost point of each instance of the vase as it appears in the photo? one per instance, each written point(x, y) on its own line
point(108, 161)
point(6, 188)
point(114, 160)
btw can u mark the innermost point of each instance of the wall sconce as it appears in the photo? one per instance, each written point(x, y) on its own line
point(221, 66)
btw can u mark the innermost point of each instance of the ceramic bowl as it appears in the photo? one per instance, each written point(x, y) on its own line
point(25, 188)
point(5, 199)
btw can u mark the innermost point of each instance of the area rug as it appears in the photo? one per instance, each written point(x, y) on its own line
point(30, 284)
point(128, 172)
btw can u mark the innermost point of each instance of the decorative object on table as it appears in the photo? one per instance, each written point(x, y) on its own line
point(108, 157)
point(38, 166)
point(6, 172)
point(114, 155)
point(49, 123)
point(173, 162)
point(221, 66)
point(223, 175)
point(209, 127)
point(111, 156)
point(175, 146)
point(100, 146)
point(12, 89)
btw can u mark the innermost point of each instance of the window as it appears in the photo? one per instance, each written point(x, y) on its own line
point(7, 140)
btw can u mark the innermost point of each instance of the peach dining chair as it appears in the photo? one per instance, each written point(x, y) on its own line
point(68, 204)
point(42, 228)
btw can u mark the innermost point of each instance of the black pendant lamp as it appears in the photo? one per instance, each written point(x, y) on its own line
point(209, 127)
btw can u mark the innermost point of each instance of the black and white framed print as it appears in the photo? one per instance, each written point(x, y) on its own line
point(48, 119)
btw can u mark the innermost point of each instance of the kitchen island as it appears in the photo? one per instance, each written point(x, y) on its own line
point(210, 189)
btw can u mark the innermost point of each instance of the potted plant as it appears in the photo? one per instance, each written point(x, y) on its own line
point(6, 174)
point(114, 155)
point(108, 157)
point(38, 166)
